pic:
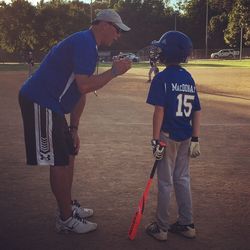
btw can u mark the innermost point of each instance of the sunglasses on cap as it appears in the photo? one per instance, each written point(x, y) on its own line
point(118, 30)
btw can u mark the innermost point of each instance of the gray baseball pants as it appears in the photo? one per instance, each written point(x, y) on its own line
point(173, 173)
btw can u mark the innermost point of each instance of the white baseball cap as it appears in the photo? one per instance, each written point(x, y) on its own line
point(109, 15)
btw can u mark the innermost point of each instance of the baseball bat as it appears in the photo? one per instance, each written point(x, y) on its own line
point(138, 215)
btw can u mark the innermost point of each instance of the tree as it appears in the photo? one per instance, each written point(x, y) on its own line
point(17, 27)
point(239, 18)
point(24, 27)
point(216, 27)
point(218, 13)
point(147, 21)
point(194, 21)
point(57, 19)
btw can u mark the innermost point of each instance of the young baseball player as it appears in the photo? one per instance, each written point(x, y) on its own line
point(153, 66)
point(30, 62)
point(59, 87)
point(176, 121)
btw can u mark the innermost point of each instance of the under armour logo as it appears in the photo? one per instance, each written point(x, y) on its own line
point(42, 157)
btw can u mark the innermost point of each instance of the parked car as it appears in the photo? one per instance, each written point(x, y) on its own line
point(225, 53)
point(130, 56)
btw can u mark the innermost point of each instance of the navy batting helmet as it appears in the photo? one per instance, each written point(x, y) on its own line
point(174, 46)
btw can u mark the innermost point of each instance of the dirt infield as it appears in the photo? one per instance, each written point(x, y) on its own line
point(114, 164)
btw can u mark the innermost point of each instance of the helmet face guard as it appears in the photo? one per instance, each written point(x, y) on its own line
point(173, 47)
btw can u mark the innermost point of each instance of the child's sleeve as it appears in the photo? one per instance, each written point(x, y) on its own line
point(157, 93)
point(196, 104)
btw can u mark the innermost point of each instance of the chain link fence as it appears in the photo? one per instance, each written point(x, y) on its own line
point(106, 56)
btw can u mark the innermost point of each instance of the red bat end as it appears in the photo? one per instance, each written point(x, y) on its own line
point(134, 226)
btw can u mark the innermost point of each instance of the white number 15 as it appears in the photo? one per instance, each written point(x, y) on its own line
point(184, 105)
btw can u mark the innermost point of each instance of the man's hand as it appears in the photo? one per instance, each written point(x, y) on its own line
point(158, 149)
point(120, 66)
point(194, 149)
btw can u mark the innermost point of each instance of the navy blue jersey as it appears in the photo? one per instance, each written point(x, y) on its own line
point(174, 89)
point(53, 85)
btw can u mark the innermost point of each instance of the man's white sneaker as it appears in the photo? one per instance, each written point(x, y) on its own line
point(75, 224)
point(81, 211)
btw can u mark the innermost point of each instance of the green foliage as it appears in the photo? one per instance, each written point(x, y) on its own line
point(17, 26)
point(56, 20)
point(239, 18)
point(27, 27)
point(147, 21)
point(215, 30)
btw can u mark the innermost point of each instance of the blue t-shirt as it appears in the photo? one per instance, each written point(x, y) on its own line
point(174, 89)
point(53, 85)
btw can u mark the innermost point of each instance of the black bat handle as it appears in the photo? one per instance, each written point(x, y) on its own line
point(153, 169)
point(163, 145)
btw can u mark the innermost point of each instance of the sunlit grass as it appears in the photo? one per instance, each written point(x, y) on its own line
point(192, 63)
point(218, 63)
point(15, 66)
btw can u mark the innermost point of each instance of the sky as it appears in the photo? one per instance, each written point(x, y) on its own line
point(34, 2)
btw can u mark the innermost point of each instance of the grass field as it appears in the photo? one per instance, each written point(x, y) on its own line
point(205, 63)
point(219, 63)
point(192, 63)
point(220, 77)
point(13, 67)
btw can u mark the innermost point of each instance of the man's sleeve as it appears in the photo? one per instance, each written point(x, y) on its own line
point(84, 57)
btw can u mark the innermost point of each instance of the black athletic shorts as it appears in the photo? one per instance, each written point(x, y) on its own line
point(48, 140)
